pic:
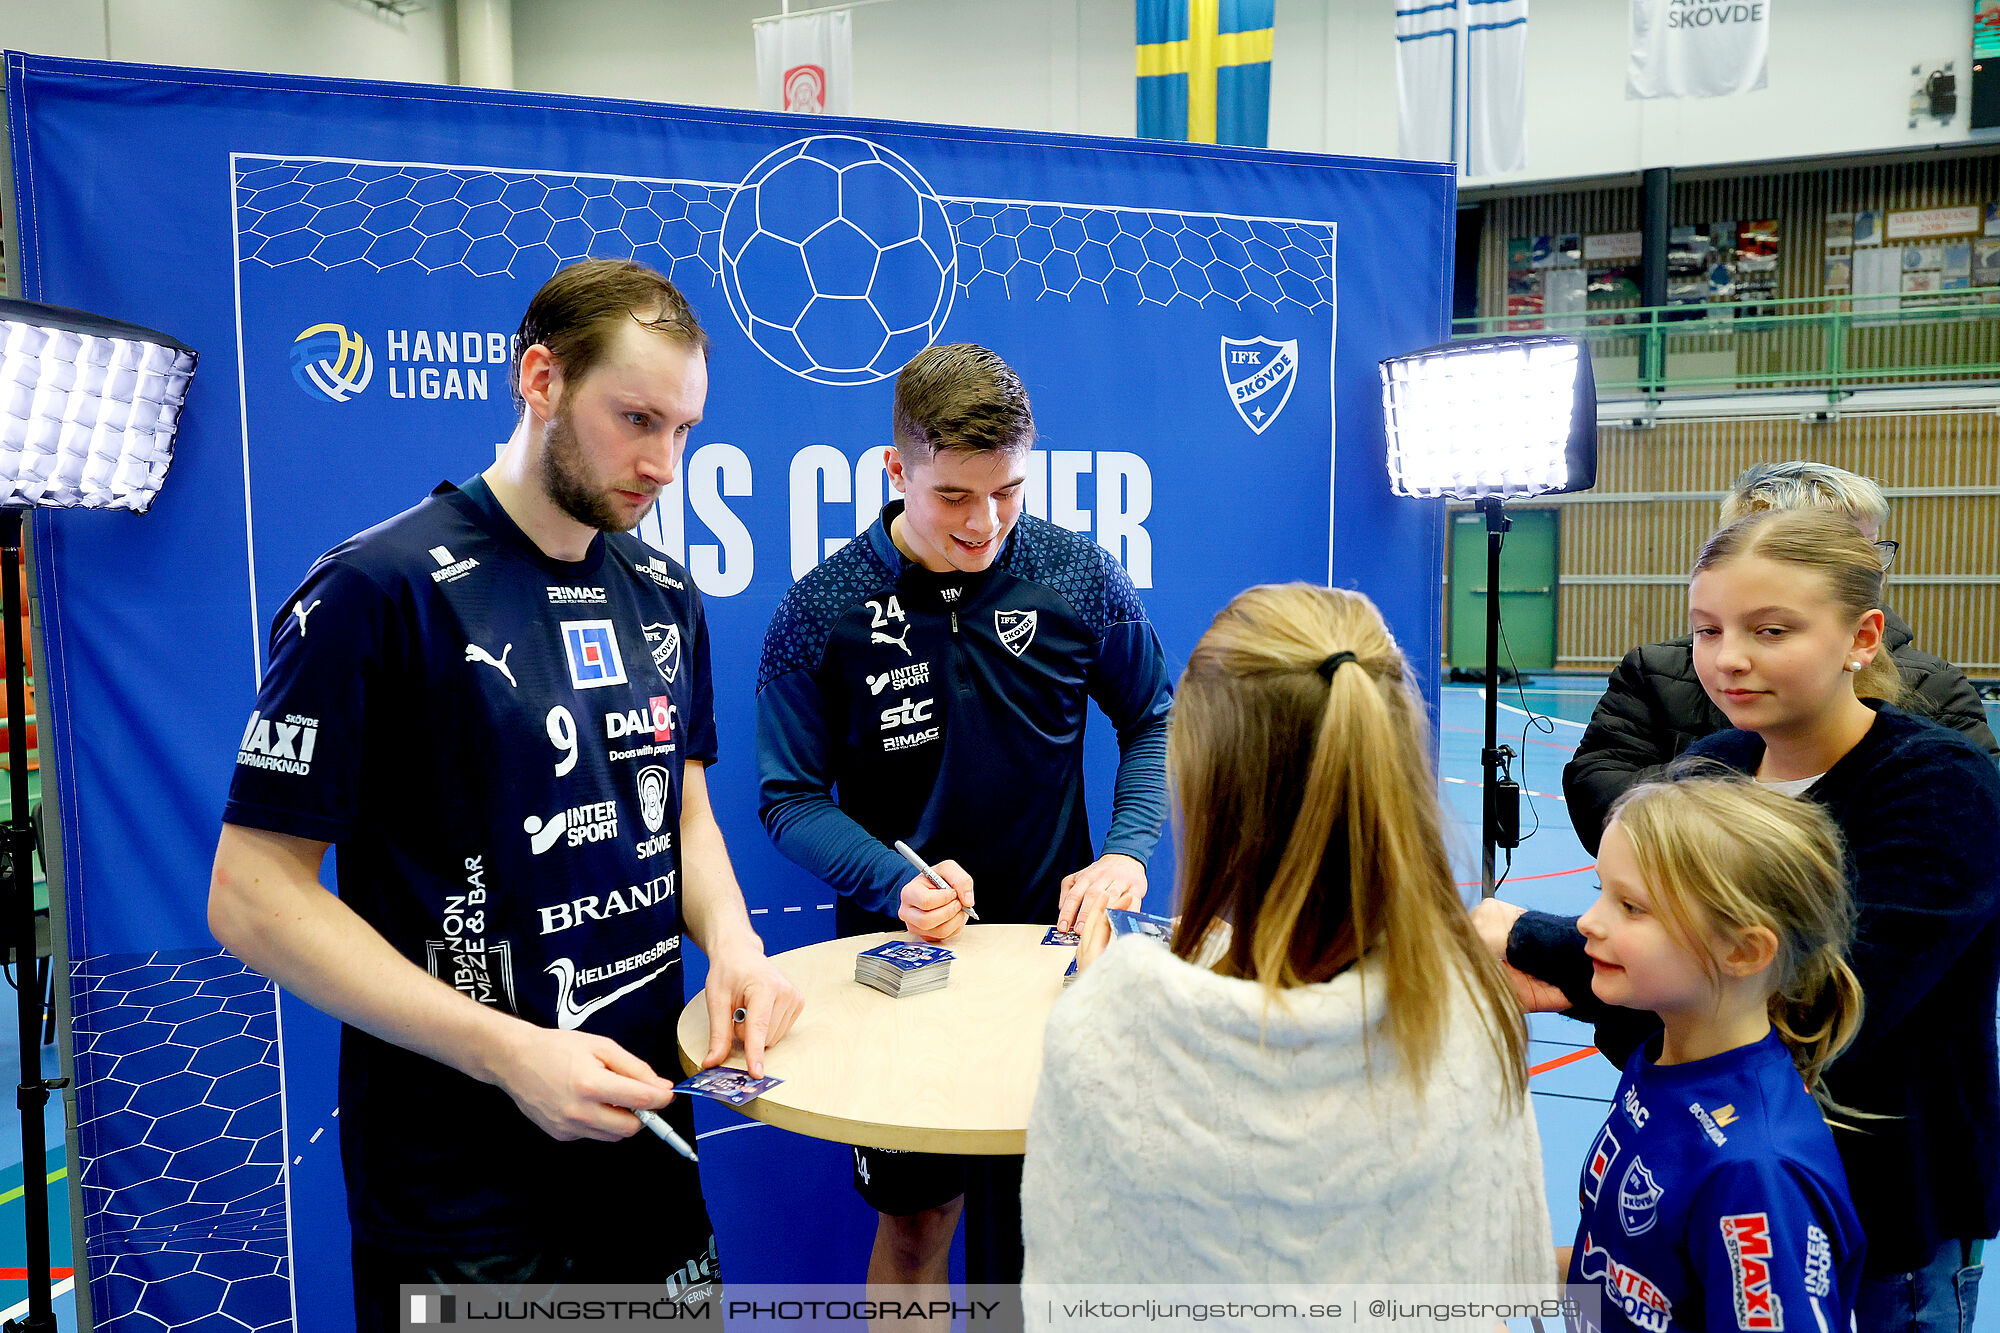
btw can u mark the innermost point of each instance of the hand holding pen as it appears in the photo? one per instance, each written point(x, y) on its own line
point(937, 903)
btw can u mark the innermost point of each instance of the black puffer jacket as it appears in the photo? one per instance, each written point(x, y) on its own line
point(1654, 708)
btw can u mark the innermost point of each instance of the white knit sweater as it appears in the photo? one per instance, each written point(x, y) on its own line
point(1182, 1133)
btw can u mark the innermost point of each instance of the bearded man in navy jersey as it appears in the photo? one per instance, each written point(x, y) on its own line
point(516, 873)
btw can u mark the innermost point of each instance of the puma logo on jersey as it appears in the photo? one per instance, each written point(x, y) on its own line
point(302, 612)
point(877, 636)
point(474, 653)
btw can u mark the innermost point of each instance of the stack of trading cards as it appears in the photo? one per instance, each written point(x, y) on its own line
point(900, 969)
point(1140, 923)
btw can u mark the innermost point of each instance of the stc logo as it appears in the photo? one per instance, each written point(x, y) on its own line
point(331, 363)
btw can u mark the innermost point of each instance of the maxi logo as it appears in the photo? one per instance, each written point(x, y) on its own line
point(1635, 1294)
point(591, 647)
point(570, 1015)
point(1016, 629)
point(449, 570)
point(1747, 1237)
point(282, 747)
point(665, 641)
point(1638, 1199)
point(1602, 1154)
point(1259, 375)
point(595, 822)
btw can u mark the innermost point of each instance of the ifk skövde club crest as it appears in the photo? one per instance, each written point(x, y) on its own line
point(1259, 375)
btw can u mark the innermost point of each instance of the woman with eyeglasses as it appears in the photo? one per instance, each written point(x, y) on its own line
point(1785, 609)
point(1653, 706)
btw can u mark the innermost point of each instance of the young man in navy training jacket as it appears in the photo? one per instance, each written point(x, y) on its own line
point(929, 682)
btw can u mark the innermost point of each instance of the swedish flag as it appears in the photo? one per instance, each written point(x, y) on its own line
point(1205, 70)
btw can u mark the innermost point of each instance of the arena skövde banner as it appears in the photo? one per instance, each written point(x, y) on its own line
point(1199, 329)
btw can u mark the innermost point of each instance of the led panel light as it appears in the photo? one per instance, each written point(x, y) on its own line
point(88, 408)
point(1502, 416)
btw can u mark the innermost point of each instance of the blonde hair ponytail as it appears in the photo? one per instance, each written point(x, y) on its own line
point(1299, 757)
point(1817, 1016)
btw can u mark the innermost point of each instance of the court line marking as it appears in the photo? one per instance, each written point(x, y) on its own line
point(1561, 1060)
point(62, 1288)
point(1545, 795)
point(731, 1129)
point(18, 1191)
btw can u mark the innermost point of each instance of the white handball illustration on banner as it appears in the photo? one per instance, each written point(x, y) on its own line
point(837, 260)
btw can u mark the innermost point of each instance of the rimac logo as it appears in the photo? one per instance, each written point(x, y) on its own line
point(330, 363)
point(1259, 375)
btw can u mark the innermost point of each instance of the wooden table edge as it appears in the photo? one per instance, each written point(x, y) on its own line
point(868, 1133)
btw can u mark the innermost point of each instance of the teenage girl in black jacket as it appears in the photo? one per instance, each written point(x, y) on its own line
point(1787, 639)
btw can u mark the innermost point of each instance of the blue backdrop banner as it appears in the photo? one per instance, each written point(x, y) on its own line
point(1199, 329)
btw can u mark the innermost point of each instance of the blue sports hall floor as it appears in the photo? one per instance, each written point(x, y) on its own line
point(1572, 1087)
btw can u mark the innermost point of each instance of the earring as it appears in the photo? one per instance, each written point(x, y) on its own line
point(1854, 666)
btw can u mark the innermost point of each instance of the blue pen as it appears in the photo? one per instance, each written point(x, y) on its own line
point(923, 868)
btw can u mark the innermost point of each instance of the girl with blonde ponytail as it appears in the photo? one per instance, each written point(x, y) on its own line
point(1320, 1078)
point(1785, 609)
point(1723, 908)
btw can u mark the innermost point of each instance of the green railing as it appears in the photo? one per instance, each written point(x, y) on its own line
point(1830, 344)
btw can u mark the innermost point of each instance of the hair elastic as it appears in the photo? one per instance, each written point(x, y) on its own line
point(1332, 664)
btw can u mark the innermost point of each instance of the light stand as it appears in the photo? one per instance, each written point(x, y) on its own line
point(88, 412)
point(1488, 420)
point(17, 885)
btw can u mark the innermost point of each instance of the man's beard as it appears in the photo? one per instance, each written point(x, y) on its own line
point(564, 482)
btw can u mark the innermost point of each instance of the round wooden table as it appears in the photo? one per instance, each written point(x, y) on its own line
point(951, 1071)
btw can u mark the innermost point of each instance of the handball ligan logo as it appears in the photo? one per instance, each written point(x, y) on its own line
point(330, 363)
point(805, 88)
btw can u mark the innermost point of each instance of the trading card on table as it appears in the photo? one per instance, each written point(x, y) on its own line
point(1070, 975)
point(1140, 923)
point(907, 957)
point(734, 1086)
point(1065, 937)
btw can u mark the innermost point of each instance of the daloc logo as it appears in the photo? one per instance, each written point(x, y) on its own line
point(1259, 375)
point(331, 363)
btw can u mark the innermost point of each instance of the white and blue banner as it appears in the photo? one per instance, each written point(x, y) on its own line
point(1199, 329)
